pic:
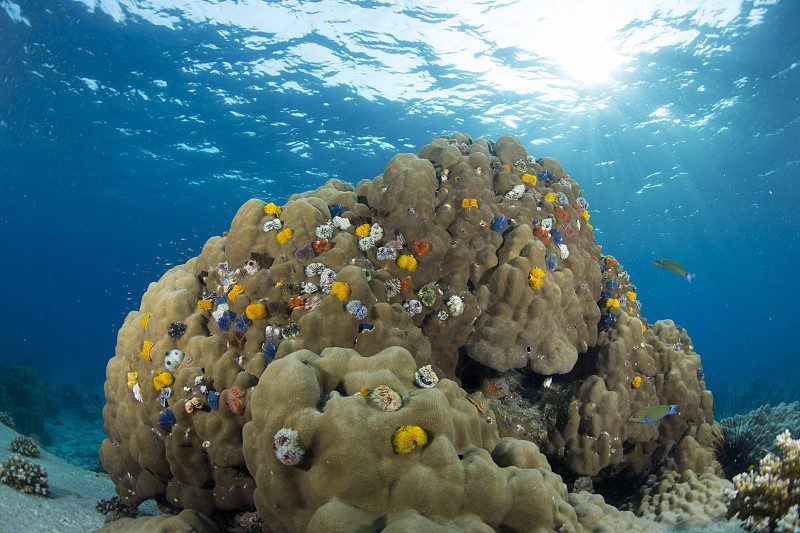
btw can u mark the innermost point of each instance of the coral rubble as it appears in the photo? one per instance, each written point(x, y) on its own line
point(458, 333)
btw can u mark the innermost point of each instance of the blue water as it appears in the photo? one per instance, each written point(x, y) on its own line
point(130, 132)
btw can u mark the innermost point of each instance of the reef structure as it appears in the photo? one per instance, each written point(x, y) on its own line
point(419, 347)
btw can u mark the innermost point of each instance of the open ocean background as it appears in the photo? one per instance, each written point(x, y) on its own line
point(131, 131)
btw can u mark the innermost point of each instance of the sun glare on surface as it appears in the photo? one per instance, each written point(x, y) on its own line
point(588, 61)
point(587, 49)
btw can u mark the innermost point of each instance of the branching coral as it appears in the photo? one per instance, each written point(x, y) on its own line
point(114, 509)
point(6, 419)
point(768, 500)
point(24, 475)
point(25, 446)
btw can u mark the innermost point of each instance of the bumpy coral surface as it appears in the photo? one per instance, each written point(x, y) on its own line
point(460, 293)
point(684, 497)
point(768, 499)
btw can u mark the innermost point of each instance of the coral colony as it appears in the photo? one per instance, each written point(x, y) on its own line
point(768, 498)
point(371, 343)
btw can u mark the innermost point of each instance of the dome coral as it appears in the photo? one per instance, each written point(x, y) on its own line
point(407, 262)
point(256, 311)
point(407, 438)
point(463, 316)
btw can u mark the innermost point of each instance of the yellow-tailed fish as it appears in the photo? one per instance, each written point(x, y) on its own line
point(672, 266)
point(653, 413)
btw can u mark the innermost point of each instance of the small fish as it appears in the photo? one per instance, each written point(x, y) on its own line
point(653, 413)
point(672, 266)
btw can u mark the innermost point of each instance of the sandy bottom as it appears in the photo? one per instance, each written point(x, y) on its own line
point(70, 508)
